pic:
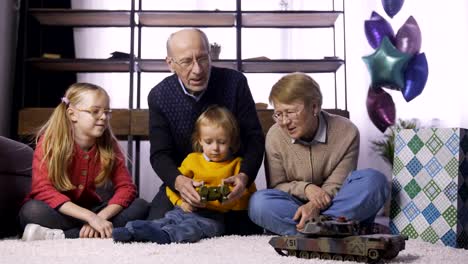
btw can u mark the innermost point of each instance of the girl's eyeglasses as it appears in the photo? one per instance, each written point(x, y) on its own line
point(97, 112)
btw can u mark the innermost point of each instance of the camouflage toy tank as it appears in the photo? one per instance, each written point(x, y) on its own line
point(213, 193)
point(338, 240)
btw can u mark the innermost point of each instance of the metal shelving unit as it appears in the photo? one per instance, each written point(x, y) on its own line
point(136, 18)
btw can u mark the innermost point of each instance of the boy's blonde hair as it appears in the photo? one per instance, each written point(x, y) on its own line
point(219, 117)
point(58, 140)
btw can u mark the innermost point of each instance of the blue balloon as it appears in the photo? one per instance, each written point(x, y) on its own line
point(377, 28)
point(415, 77)
point(392, 7)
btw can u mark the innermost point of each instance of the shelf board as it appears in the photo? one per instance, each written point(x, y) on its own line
point(30, 119)
point(286, 66)
point(153, 65)
point(121, 18)
point(81, 65)
point(187, 18)
point(81, 17)
point(159, 65)
point(293, 19)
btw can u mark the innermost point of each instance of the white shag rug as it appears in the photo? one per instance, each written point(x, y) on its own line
point(229, 249)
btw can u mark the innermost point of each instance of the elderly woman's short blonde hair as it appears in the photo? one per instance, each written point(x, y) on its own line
point(296, 87)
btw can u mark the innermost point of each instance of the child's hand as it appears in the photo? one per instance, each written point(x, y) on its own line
point(186, 187)
point(187, 207)
point(87, 231)
point(239, 182)
point(102, 226)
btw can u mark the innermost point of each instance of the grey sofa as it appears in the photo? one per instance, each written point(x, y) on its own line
point(15, 182)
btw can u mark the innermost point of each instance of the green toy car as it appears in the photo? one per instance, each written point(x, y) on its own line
point(213, 193)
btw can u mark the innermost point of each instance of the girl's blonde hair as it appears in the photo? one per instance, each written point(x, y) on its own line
point(219, 117)
point(58, 140)
point(296, 86)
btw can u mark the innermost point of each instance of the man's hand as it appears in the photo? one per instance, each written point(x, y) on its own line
point(239, 182)
point(317, 196)
point(100, 225)
point(304, 213)
point(186, 187)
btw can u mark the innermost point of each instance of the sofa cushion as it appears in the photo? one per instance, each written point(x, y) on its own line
point(15, 182)
point(15, 157)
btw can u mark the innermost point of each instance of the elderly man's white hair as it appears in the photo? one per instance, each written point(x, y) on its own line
point(202, 34)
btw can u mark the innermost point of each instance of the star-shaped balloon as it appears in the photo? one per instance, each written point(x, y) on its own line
point(387, 66)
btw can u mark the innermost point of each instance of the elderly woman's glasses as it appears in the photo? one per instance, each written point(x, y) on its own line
point(96, 112)
point(288, 115)
point(187, 63)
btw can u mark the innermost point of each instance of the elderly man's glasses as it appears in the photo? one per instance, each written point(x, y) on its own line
point(187, 63)
point(288, 115)
point(97, 112)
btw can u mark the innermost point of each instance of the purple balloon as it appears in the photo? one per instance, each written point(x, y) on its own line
point(392, 7)
point(415, 77)
point(408, 37)
point(377, 28)
point(381, 108)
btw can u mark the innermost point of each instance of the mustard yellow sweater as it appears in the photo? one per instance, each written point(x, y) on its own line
point(195, 166)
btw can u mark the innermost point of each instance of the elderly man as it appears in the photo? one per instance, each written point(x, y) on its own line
point(174, 105)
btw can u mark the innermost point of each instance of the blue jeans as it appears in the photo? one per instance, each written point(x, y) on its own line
point(181, 226)
point(362, 195)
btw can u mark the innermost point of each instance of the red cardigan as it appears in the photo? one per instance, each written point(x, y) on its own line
point(83, 169)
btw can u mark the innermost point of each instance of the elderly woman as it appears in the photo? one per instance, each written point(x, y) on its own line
point(311, 157)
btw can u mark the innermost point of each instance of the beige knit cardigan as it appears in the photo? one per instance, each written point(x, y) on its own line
point(291, 167)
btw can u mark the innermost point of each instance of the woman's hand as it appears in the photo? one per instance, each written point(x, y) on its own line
point(317, 196)
point(101, 226)
point(304, 213)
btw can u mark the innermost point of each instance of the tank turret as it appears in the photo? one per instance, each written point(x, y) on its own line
point(326, 226)
point(213, 193)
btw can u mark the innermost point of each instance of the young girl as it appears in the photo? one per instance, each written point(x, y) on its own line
point(215, 140)
point(75, 153)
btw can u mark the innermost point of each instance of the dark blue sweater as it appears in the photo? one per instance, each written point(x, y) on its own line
point(173, 115)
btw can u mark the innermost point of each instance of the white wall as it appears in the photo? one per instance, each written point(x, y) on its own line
point(444, 29)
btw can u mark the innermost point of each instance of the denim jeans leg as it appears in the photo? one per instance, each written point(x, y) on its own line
point(362, 195)
point(274, 210)
point(191, 227)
